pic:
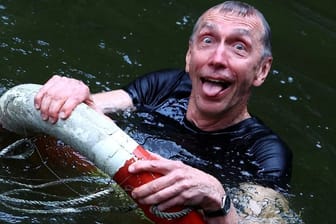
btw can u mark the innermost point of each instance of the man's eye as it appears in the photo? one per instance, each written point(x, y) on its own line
point(240, 47)
point(207, 40)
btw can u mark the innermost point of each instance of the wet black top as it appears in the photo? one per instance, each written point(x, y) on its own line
point(247, 151)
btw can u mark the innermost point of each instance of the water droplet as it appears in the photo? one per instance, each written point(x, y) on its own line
point(5, 18)
point(275, 72)
point(102, 45)
point(127, 59)
point(293, 98)
point(42, 43)
point(17, 39)
point(318, 145)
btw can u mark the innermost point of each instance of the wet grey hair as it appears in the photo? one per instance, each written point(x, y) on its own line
point(244, 10)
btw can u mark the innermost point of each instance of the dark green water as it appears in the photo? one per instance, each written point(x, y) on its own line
point(108, 43)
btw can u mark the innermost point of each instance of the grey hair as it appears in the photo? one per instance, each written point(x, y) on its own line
point(244, 10)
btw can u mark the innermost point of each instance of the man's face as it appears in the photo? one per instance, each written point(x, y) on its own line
point(224, 62)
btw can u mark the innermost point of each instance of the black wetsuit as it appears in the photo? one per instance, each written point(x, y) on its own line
point(247, 151)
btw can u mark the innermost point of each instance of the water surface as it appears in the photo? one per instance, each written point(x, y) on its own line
point(107, 43)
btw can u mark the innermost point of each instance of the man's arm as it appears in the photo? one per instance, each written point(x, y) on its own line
point(109, 102)
point(259, 204)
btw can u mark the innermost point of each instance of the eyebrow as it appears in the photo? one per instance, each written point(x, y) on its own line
point(208, 25)
point(243, 32)
point(214, 27)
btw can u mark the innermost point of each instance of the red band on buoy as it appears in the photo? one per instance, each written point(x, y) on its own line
point(130, 181)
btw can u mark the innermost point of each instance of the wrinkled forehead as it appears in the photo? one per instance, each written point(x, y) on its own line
point(216, 15)
point(251, 20)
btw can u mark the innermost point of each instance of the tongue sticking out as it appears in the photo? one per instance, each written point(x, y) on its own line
point(212, 88)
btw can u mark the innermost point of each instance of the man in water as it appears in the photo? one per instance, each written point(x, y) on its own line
point(229, 53)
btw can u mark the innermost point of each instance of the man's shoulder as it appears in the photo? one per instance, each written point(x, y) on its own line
point(166, 74)
point(262, 137)
point(170, 79)
point(266, 150)
point(153, 89)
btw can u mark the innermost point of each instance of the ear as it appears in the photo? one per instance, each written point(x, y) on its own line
point(264, 68)
point(187, 59)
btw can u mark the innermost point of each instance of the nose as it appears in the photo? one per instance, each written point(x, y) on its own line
point(219, 56)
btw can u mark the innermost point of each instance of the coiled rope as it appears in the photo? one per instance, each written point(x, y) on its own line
point(71, 202)
point(74, 205)
point(169, 215)
point(22, 149)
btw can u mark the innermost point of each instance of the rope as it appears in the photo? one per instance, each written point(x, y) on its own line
point(5, 152)
point(7, 199)
point(71, 202)
point(60, 207)
point(169, 215)
point(91, 208)
point(54, 183)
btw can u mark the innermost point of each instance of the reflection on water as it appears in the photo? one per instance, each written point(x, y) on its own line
point(107, 44)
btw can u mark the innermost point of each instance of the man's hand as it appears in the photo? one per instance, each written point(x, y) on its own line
point(179, 185)
point(59, 97)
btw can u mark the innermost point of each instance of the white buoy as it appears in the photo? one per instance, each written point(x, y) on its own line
point(94, 135)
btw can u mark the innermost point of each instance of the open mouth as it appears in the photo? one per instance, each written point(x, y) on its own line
point(214, 87)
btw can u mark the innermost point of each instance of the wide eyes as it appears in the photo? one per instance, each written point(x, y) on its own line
point(235, 45)
point(240, 48)
point(207, 40)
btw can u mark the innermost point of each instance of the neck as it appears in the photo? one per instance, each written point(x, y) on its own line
point(208, 122)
